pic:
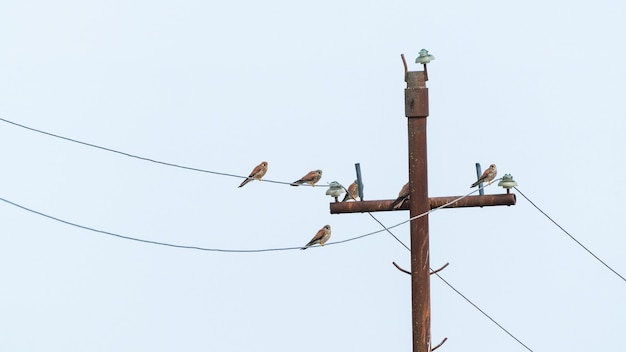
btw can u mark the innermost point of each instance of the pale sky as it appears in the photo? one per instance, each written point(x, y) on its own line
point(535, 87)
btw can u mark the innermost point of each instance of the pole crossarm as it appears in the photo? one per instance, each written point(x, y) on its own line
point(435, 202)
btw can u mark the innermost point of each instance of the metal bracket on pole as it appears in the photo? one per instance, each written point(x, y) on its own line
point(359, 181)
point(431, 270)
point(479, 172)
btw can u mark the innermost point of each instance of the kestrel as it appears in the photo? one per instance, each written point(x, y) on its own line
point(402, 196)
point(257, 173)
point(353, 191)
point(424, 57)
point(487, 176)
point(320, 237)
point(335, 189)
point(311, 178)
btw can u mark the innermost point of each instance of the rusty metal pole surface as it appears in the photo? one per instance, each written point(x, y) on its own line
point(435, 202)
point(416, 110)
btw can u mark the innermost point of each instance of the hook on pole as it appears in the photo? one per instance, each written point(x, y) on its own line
point(409, 273)
point(438, 270)
point(402, 270)
point(439, 345)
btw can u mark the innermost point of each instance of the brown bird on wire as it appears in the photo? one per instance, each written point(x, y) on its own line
point(311, 178)
point(321, 237)
point(257, 173)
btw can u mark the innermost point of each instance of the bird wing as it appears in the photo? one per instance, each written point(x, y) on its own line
point(353, 191)
point(404, 194)
point(258, 171)
point(404, 191)
point(310, 176)
point(318, 236)
point(488, 175)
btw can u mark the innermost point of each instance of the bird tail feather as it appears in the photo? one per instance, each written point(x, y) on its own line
point(245, 182)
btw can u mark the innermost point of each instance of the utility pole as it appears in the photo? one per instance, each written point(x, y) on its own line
point(416, 111)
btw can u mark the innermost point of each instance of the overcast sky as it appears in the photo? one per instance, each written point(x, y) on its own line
point(535, 87)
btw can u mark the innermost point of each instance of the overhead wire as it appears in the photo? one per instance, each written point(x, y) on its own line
point(220, 249)
point(385, 228)
point(92, 229)
point(139, 239)
point(405, 221)
point(483, 312)
point(570, 235)
point(138, 156)
point(269, 249)
point(444, 280)
point(191, 169)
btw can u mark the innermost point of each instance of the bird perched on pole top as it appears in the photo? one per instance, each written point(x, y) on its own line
point(321, 237)
point(335, 189)
point(487, 176)
point(402, 196)
point(257, 173)
point(424, 57)
point(353, 191)
point(311, 178)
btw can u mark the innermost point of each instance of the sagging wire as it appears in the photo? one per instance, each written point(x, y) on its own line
point(141, 157)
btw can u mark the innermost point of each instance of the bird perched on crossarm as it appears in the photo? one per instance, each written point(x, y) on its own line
point(321, 237)
point(311, 178)
point(402, 197)
point(257, 173)
point(487, 176)
point(353, 191)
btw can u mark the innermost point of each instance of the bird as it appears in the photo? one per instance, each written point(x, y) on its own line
point(335, 189)
point(320, 237)
point(311, 178)
point(353, 191)
point(257, 173)
point(402, 196)
point(424, 57)
point(487, 176)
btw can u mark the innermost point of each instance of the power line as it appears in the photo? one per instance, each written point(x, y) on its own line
point(570, 235)
point(259, 250)
point(140, 157)
point(483, 312)
point(461, 294)
point(391, 233)
point(218, 249)
point(406, 221)
point(446, 282)
point(423, 214)
point(139, 239)
point(108, 233)
point(229, 250)
point(266, 249)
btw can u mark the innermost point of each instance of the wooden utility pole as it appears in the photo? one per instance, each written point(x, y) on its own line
point(416, 110)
